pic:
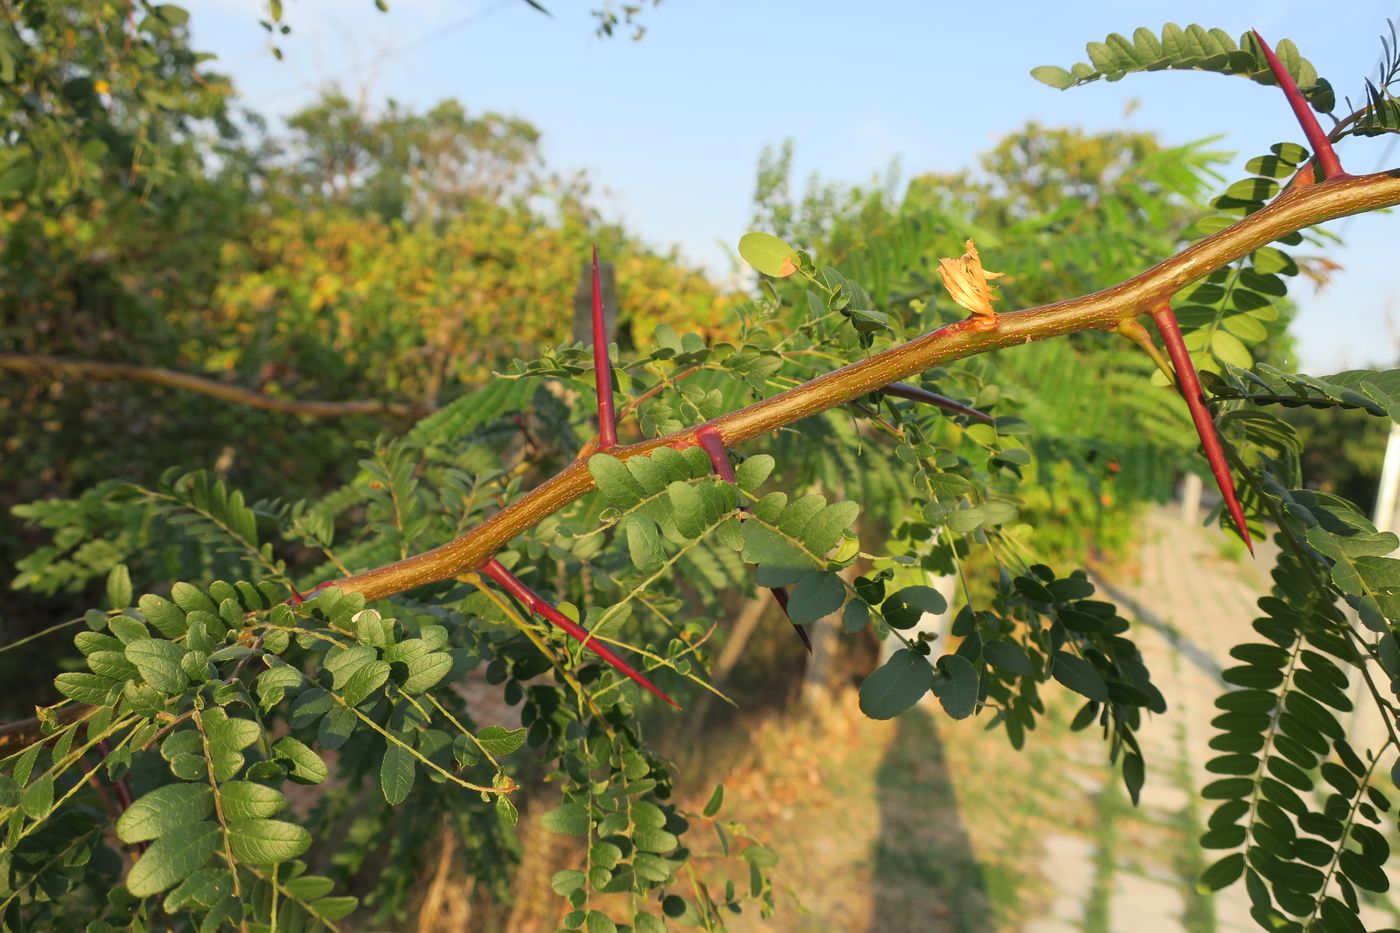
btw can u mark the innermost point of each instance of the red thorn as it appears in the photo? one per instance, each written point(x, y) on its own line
point(297, 598)
point(711, 441)
point(917, 394)
point(532, 601)
point(1190, 387)
point(1317, 139)
point(602, 367)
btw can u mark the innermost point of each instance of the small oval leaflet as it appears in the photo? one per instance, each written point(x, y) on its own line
point(768, 254)
point(896, 685)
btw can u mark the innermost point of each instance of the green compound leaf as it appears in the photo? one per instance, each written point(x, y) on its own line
point(1194, 48)
point(426, 671)
point(227, 738)
point(825, 530)
point(93, 689)
point(167, 617)
point(1009, 657)
point(688, 508)
point(37, 798)
point(365, 682)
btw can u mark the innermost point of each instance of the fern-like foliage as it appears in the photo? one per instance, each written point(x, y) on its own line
point(1194, 48)
point(1299, 804)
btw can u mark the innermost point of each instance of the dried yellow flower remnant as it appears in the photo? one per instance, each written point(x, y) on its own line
point(967, 282)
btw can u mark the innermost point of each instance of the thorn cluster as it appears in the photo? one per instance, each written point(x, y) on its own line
point(709, 440)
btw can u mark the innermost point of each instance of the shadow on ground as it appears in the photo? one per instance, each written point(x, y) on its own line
point(926, 876)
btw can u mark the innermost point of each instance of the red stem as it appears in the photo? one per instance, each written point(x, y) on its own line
point(1322, 146)
point(917, 394)
point(602, 367)
point(532, 601)
point(1190, 387)
point(710, 441)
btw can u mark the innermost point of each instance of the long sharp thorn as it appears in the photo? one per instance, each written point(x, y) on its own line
point(712, 443)
point(1190, 386)
point(1321, 146)
point(918, 394)
point(536, 604)
point(602, 367)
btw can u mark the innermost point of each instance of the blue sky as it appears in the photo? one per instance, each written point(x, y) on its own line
point(670, 128)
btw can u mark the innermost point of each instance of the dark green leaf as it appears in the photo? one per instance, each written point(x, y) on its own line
point(172, 858)
point(956, 686)
point(815, 596)
point(164, 809)
point(267, 842)
point(904, 609)
point(1222, 874)
point(896, 685)
point(396, 772)
point(1080, 676)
